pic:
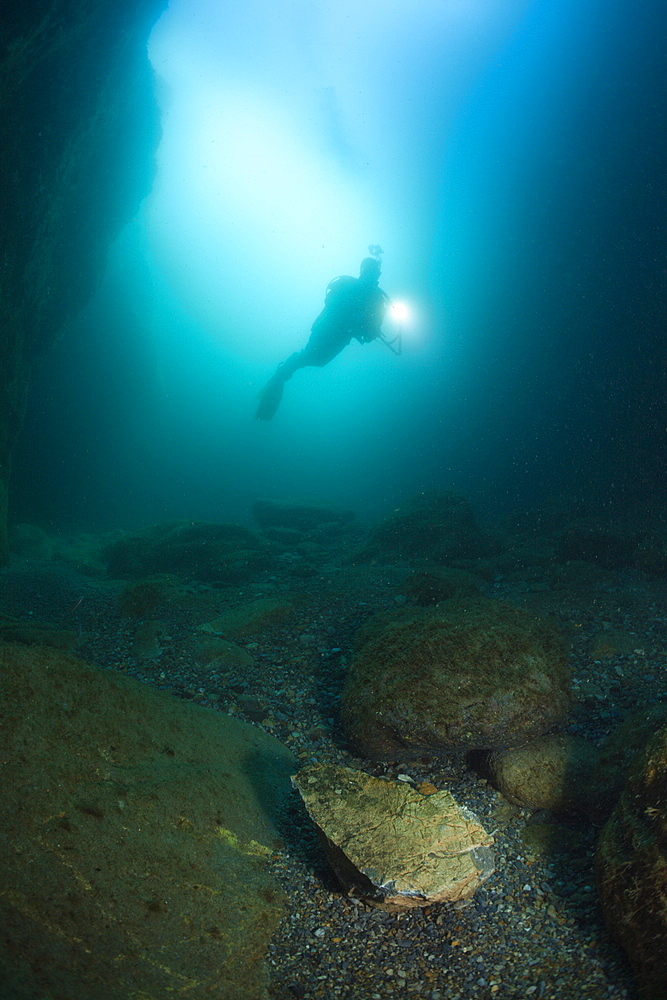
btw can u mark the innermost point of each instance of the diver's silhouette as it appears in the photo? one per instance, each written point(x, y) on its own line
point(353, 307)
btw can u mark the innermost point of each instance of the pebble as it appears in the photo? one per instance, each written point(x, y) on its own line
point(533, 931)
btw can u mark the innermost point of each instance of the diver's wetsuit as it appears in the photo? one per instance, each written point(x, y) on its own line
point(353, 307)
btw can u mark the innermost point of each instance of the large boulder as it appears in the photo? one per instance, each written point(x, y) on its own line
point(468, 674)
point(298, 517)
point(619, 754)
point(212, 553)
point(631, 864)
point(391, 845)
point(135, 834)
point(435, 525)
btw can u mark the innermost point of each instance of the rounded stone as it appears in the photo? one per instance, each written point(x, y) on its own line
point(551, 772)
point(465, 675)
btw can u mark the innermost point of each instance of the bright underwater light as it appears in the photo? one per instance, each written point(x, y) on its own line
point(399, 311)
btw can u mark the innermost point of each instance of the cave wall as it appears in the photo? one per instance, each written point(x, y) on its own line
point(79, 126)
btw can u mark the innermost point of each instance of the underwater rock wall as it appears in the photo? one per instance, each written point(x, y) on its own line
point(80, 128)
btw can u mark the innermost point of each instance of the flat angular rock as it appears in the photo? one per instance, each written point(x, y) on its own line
point(392, 846)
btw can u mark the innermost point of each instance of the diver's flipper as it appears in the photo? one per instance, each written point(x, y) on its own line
point(269, 398)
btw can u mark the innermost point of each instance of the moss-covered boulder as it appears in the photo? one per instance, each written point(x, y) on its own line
point(135, 832)
point(298, 517)
point(249, 617)
point(631, 864)
point(552, 772)
point(467, 674)
point(436, 525)
point(618, 755)
point(225, 554)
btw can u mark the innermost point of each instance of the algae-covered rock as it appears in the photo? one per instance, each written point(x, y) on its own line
point(618, 755)
point(468, 674)
point(249, 617)
point(35, 633)
point(631, 862)
point(209, 650)
point(135, 832)
point(551, 772)
point(434, 525)
point(143, 597)
point(214, 553)
point(391, 845)
point(298, 517)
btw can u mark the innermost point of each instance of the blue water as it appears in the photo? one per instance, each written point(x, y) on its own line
point(511, 159)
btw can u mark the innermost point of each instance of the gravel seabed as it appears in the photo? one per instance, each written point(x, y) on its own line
point(535, 929)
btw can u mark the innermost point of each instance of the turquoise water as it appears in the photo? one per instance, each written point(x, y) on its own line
point(510, 159)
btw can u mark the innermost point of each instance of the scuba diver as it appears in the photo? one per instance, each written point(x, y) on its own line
point(353, 307)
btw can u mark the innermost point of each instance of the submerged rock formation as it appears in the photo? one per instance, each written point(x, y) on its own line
point(631, 862)
point(435, 525)
point(224, 554)
point(79, 128)
point(391, 845)
point(136, 829)
point(552, 772)
point(468, 674)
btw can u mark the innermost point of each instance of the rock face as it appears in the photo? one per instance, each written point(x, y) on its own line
point(80, 128)
point(632, 868)
point(135, 833)
point(392, 846)
point(468, 674)
point(211, 553)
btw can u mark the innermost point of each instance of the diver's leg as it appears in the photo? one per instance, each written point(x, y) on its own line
point(272, 393)
point(293, 363)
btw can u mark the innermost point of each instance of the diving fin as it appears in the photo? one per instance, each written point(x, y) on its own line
point(269, 398)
